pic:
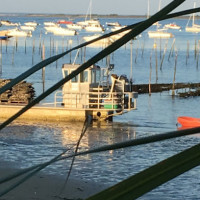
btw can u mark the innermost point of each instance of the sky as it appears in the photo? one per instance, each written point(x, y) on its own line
point(120, 7)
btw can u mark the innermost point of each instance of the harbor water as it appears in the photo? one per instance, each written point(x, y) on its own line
point(25, 144)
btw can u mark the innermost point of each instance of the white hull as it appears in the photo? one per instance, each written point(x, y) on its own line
point(160, 34)
point(29, 28)
point(64, 31)
point(172, 26)
point(192, 29)
point(74, 26)
point(34, 24)
point(18, 33)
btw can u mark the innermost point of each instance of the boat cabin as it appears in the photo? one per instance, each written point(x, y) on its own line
point(97, 91)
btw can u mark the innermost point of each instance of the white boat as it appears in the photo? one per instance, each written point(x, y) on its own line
point(18, 33)
point(195, 28)
point(49, 23)
point(29, 28)
point(74, 26)
point(94, 28)
point(103, 42)
point(160, 34)
point(64, 31)
point(87, 22)
point(91, 25)
point(51, 28)
point(113, 24)
point(34, 24)
point(172, 26)
point(119, 35)
point(8, 23)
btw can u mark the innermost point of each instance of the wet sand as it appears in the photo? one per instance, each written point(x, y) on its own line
point(43, 186)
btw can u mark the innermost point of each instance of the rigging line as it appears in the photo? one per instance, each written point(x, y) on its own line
point(54, 58)
point(108, 50)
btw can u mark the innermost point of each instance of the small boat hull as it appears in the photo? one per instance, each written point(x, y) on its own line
point(188, 121)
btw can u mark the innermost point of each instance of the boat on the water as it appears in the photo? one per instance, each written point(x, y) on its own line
point(172, 26)
point(29, 28)
point(18, 33)
point(33, 24)
point(95, 92)
point(9, 23)
point(189, 122)
point(113, 24)
point(4, 37)
point(160, 34)
point(64, 22)
point(74, 26)
point(194, 28)
point(94, 28)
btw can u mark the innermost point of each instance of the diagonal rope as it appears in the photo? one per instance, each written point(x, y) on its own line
point(85, 127)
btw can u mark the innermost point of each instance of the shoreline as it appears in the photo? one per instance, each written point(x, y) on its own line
point(74, 16)
point(44, 186)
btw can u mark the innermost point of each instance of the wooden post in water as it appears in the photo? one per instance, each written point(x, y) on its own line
point(25, 45)
point(163, 57)
point(50, 47)
point(62, 45)
point(16, 43)
point(13, 54)
point(172, 49)
point(160, 48)
point(131, 58)
point(6, 47)
point(1, 58)
point(70, 54)
point(173, 86)
point(143, 48)
point(150, 75)
point(56, 53)
point(187, 55)
point(84, 54)
point(33, 50)
point(136, 53)
point(43, 69)
point(195, 49)
point(156, 57)
point(197, 64)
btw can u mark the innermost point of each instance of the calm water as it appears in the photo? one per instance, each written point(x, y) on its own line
point(30, 144)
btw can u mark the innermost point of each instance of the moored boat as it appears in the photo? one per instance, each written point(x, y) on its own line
point(74, 26)
point(19, 33)
point(94, 28)
point(160, 34)
point(186, 121)
point(172, 26)
point(34, 24)
point(95, 92)
point(64, 22)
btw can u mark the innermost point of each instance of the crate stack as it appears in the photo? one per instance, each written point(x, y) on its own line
point(22, 93)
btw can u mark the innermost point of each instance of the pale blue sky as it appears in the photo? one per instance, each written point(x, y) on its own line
point(124, 7)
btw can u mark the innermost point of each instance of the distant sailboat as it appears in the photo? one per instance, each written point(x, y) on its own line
point(195, 28)
point(91, 25)
point(159, 33)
